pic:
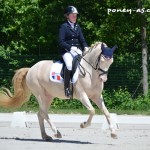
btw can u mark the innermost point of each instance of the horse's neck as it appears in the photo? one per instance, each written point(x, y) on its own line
point(91, 80)
point(91, 57)
point(89, 63)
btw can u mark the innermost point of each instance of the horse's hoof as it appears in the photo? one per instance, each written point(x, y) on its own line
point(47, 138)
point(114, 135)
point(82, 125)
point(58, 135)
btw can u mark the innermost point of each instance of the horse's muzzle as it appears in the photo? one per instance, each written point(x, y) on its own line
point(103, 77)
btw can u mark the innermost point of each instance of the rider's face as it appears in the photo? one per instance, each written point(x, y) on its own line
point(72, 17)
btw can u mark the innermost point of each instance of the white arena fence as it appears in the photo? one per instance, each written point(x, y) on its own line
point(23, 119)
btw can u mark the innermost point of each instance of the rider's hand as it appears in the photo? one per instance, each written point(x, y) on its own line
point(73, 48)
point(86, 49)
point(75, 51)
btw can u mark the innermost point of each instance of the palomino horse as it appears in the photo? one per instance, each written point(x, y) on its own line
point(35, 80)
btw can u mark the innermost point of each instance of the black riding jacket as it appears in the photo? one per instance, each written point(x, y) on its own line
point(69, 37)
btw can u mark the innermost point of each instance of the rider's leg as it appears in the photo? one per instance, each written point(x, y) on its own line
point(67, 73)
point(67, 77)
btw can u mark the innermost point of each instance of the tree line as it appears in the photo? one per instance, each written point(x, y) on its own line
point(29, 33)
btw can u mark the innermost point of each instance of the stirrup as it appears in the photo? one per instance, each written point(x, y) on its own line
point(68, 92)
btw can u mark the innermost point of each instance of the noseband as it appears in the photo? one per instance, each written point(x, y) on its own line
point(101, 71)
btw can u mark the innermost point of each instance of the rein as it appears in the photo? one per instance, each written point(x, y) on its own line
point(95, 68)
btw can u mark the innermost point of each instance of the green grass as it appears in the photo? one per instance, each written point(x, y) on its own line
point(75, 111)
point(84, 111)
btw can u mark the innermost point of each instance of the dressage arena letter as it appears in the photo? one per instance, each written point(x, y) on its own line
point(18, 119)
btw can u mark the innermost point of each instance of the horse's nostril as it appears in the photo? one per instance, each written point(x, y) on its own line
point(103, 78)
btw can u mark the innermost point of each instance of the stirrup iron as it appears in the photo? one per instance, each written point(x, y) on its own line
point(68, 92)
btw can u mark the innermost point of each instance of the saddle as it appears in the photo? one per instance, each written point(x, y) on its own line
point(57, 70)
point(75, 63)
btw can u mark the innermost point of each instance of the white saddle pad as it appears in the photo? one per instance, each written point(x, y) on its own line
point(55, 73)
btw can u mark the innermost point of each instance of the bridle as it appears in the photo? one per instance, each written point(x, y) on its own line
point(97, 68)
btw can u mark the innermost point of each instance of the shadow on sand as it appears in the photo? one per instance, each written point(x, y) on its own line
point(52, 141)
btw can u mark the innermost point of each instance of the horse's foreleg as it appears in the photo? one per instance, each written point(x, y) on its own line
point(99, 102)
point(88, 122)
point(111, 126)
point(86, 102)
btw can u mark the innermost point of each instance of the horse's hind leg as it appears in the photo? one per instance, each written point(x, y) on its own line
point(42, 127)
point(44, 103)
point(41, 116)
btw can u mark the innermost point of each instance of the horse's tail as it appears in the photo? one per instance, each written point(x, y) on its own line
point(21, 91)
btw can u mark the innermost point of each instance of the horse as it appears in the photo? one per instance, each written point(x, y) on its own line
point(89, 86)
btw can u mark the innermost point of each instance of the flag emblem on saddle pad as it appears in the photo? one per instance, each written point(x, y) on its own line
point(56, 76)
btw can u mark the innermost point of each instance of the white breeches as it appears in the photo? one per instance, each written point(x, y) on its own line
point(68, 57)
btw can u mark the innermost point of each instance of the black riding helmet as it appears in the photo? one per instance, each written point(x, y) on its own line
point(70, 9)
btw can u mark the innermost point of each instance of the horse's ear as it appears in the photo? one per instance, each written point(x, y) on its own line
point(114, 48)
point(106, 51)
point(102, 46)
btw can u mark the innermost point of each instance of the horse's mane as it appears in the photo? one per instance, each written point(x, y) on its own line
point(94, 45)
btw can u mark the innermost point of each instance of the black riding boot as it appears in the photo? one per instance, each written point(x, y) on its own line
point(67, 77)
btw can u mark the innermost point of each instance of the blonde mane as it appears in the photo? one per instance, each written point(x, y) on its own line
point(94, 46)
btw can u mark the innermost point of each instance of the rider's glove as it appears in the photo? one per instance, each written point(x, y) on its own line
point(75, 51)
point(86, 49)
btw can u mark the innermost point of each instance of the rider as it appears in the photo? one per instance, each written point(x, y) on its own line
point(71, 42)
